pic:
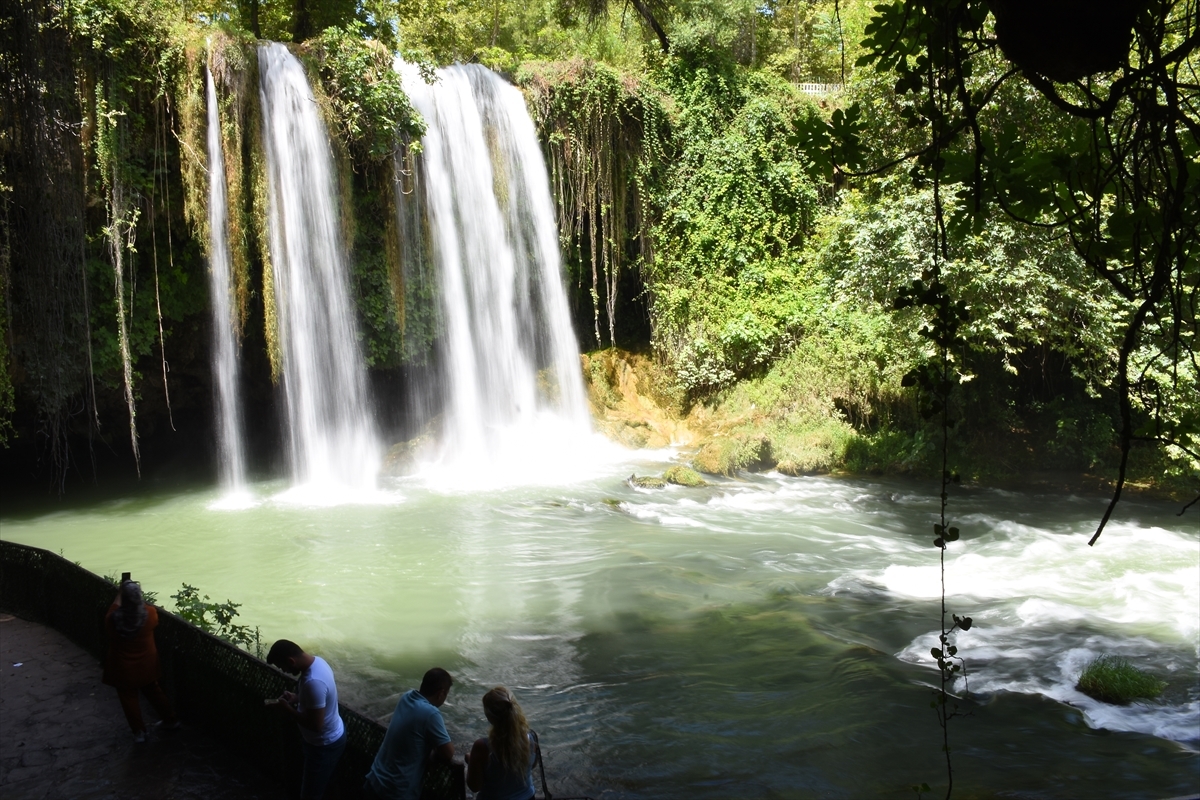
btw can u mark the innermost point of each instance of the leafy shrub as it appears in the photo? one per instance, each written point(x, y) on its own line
point(215, 618)
point(370, 108)
point(1114, 680)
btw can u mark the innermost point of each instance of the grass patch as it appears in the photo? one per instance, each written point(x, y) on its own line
point(1114, 680)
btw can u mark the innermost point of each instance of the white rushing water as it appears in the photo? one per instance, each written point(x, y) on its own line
point(231, 462)
point(514, 395)
point(331, 433)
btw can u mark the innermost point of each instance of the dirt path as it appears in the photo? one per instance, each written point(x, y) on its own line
point(62, 734)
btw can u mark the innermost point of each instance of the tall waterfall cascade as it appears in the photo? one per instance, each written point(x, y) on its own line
point(513, 386)
point(231, 459)
point(331, 431)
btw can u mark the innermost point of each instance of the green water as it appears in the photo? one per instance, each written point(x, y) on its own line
point(757, 638)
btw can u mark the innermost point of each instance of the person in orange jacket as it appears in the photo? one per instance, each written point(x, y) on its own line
point(131, 663)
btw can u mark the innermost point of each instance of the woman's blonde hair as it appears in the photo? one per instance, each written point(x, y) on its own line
point(509, 736)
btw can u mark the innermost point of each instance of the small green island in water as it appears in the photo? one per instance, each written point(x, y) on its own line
point(785, 399)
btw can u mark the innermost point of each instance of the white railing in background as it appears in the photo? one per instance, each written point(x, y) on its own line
point(819, 88)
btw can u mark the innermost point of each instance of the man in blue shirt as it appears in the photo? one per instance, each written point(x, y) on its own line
point(415, 736)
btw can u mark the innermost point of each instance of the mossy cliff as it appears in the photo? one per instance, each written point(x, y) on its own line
point(805, 417)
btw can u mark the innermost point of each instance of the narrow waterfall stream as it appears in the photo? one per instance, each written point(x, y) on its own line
point(331, 433)
point(514, 394)
point(231, 461)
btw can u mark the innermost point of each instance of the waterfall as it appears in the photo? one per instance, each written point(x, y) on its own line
point(331, 431)
point(231, 461)
point(513, 385)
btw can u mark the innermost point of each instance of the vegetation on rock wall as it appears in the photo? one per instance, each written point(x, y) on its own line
point(375, 124)
point(743, 190)
point(46, 365)
point(605, 135)
point(106, 286)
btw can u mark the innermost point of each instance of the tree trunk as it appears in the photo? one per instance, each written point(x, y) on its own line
point(647, 15)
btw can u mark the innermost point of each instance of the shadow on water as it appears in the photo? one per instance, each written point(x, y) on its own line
point(770, 700)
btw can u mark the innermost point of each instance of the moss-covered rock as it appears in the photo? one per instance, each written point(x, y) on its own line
point(813, 462)
point(1114, 680)
point(646, 482)
point(683, 476)
point(401, 458)
point(728, 455)
point(631, 400)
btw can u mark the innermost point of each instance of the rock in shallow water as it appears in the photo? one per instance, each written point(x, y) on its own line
point(683, 476)
point(646, 482)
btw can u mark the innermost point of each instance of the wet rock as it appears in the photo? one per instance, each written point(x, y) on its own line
point(401, 458)
point(631, 400)
point(646, 482)
point(727, 455)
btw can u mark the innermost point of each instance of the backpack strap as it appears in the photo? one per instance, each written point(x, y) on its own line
point(537, 746)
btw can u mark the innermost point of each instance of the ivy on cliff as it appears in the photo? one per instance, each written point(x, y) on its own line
point(738, 203)
point(606, 135)
point(371, 112)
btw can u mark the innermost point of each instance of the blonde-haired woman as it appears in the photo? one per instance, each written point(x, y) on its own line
point(500, 767)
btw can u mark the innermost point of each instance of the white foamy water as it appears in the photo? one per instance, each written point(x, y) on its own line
point(1044, 603)
point(331, 434)
point(231, 462)
point(513, 388)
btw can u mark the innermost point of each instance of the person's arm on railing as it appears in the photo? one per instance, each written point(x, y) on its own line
point(477, 761)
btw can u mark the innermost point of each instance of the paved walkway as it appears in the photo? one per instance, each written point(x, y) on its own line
point(62, 734)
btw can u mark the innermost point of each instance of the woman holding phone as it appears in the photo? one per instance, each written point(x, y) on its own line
point(131, 663)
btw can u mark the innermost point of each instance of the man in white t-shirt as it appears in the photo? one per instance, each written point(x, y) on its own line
point(314, 707)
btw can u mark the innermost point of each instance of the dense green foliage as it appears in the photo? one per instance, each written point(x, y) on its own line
point(1114, 680)
point(743, 188)
point(1099, 143)
point(369, 108)
point(737, 209)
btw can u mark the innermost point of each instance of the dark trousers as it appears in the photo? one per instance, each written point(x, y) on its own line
point(320, 761)
point(133, 709)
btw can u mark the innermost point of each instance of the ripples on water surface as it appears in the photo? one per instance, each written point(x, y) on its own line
point(766, 637)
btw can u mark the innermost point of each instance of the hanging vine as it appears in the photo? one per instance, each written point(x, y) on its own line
point(1117, 176)
point(605, 134)
point(46, 332)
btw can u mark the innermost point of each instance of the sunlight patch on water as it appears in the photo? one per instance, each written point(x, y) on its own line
point(1136, 576)
point(234, 500)
point(552, 452)
point(328, 495)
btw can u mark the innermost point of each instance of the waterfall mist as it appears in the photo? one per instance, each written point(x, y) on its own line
point(331, 432)
point(231, 462)
point(513, 389)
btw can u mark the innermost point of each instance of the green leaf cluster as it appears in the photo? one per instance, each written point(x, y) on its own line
point(737, 205)
point(214, 618)
point(370, 110)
